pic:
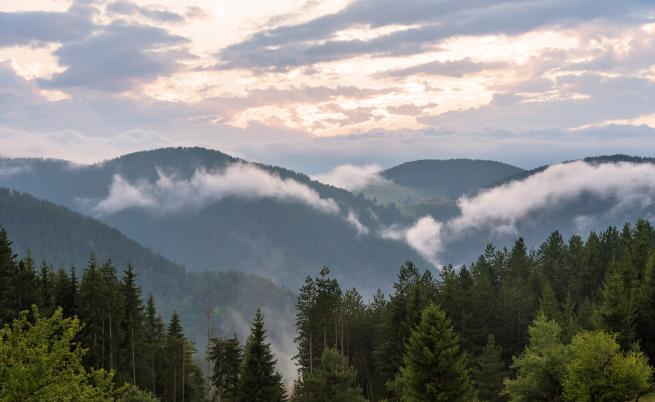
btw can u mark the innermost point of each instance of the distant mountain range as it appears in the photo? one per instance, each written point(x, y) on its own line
point(192, 219)
point(209, 211)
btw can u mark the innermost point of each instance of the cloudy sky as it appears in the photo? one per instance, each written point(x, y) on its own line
point(313, 84)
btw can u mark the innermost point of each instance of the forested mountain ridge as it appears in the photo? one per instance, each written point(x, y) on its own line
point(274, 235)
point(64, 238)
point(450, 177)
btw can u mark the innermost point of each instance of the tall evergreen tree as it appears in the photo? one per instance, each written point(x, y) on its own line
point(153, 348)
point(434, 368)
point(489, 371)
point(132, 326)
point(334, 380)
point(259, 381)
point(616, 310)
point(7, 268)
point(226, 357)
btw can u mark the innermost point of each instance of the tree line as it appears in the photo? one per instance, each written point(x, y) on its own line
point(570, 320)
point(94, 338)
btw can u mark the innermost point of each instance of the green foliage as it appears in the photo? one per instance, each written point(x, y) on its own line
point(616, 310)
point(130, 393)
point(540, 367)
point(489, 371)
point(41, 361)
point(599, 371)
point(434, 367)
point(226, 356)
point(333, 380)
point(118, 334)
point(259, 381)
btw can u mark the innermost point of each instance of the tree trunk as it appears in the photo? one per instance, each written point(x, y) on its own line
point(133, 359)
point(111, 350)
point(311, 356)
point(183, 361)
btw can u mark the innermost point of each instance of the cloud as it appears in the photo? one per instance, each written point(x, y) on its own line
point(24, 28)
point(120, 57)
point(624, 186)
point(75, 146)
point(129, 8)
point(425, 236)
point(451, 68)
point(168, 194)
point(427, 24)
point(356, 223)
point(352, 177)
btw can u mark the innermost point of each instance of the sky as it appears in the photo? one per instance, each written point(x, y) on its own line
point(312, 85)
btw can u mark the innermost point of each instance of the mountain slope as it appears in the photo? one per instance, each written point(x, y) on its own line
point(432, 187)
point(449, 178)
point(274, 231)
point(64, 238)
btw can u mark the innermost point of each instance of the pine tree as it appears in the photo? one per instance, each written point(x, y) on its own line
point(183, 379)
point(334, 380)
point(259, 381)
point(616, 310)
point(24, 286)
point(90, 312)
point(131, 325)
point(153, 348)
point(7, 268)
point(489, 372)
point(434, 367)
point(226, 356)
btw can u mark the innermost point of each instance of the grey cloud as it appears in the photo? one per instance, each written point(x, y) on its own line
point(454, 68)
point(310, 42)
point(625, 186)
point(129, 8)
point(24, 28)
point(603, 98)
point(121, 56)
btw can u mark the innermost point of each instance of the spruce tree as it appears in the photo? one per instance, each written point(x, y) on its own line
point(7, 267)
point(131, 325)
point(259, 381)
point(616, 310)
point(434, 368)
point(334, 380)
point(489, 372)
point(153, 348)
point(226, 356)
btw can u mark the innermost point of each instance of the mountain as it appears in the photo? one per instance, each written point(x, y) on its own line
point(209, 211)
point(573, 197)
point(449, 178)
point(65, 238)
point(432, 187)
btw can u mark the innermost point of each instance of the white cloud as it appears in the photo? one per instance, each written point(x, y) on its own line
point(75, 146)
point(625, 186)
point(352, 177)
point(357, 224)
point(169, 194)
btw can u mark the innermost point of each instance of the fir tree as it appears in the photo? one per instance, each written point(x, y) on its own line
point(334, 380)
point(226, 356)
point(489, 372)
point(434, 367)
point(616, 310)
point(259, 381)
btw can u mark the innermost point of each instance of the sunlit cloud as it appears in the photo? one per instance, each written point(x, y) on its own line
point(452, 66)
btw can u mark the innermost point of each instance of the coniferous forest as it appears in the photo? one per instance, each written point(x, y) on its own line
point(571, 320)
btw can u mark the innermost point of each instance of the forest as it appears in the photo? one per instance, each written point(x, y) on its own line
point(570, 320)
